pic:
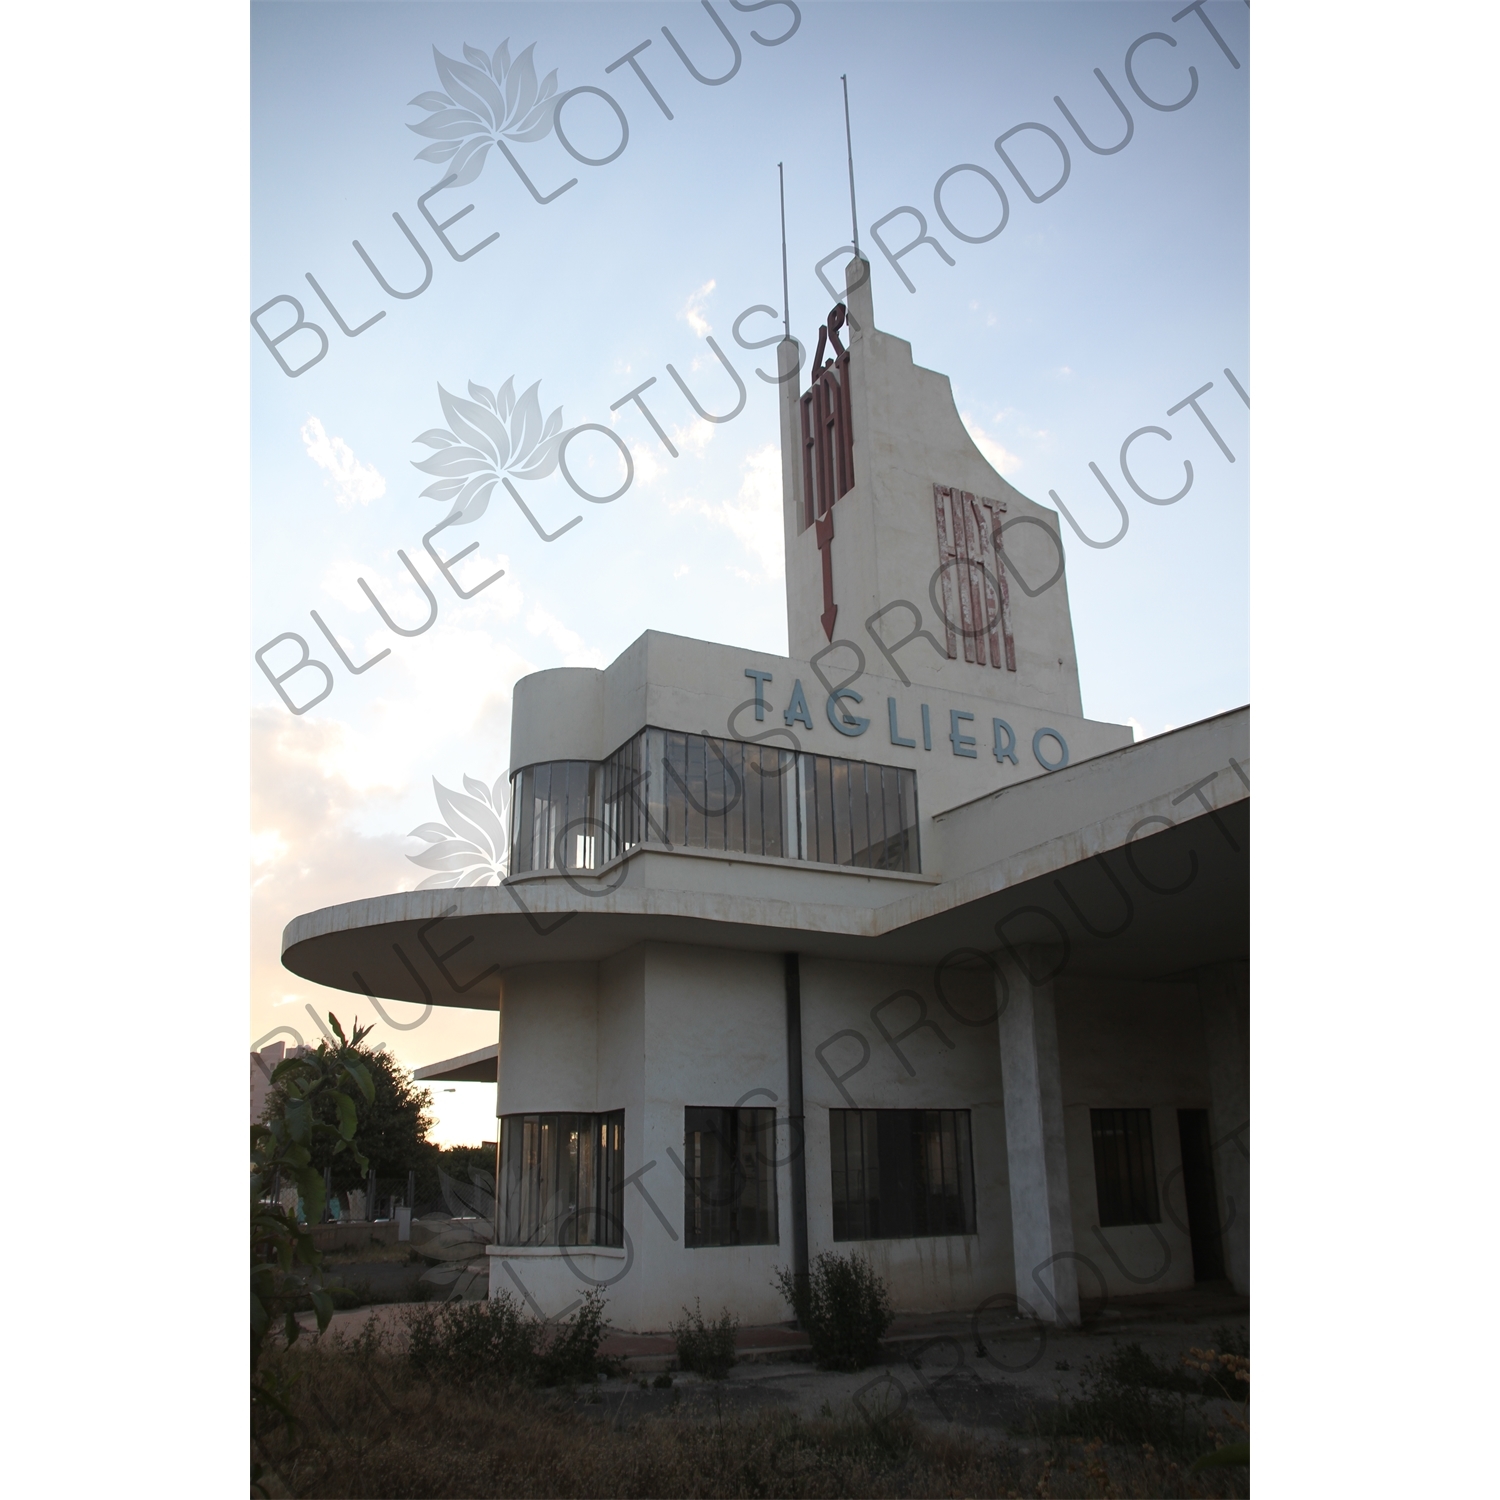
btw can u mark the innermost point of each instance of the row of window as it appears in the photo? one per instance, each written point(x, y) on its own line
point(694, 791)
point(896, 1174)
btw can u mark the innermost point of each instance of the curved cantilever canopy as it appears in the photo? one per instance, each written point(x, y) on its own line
point(1135, 862)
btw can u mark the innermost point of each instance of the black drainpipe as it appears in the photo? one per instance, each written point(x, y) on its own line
point(796, 1126)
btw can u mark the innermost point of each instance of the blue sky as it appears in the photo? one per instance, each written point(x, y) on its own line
point(1086, 318)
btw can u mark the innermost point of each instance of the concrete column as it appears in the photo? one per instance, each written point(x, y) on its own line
point(1040, 1208)
point(1224, 995)
point(859, 299)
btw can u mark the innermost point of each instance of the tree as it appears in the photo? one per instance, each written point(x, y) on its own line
point(312, 1088)
point(391, 1126)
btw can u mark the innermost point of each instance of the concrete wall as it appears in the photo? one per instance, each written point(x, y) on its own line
point(1130, 1045)
point(652, 1031)
point(549, 1039)
point(665, 1026)
point(1224, 990)
point(908, 436)
point(715, 1035)
point(575, 713)
point(928, 1274)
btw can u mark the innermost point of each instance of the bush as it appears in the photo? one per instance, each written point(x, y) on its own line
point(705, 1348)
point(571, 1355)
point(495, 1340)
point(845, 1308)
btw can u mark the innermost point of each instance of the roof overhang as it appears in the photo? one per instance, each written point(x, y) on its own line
point(471, 1067)
point(1136, 862)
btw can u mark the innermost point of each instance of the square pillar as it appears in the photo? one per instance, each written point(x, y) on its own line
point(1224, 995)
point(1040, 1209)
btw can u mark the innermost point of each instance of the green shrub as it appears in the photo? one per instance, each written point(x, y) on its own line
point(845, 1308)
point(705, 1348)
point(571, 1355)
point(495, 1340)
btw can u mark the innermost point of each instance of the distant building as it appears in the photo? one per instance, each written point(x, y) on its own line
point(880, 946)
point(262, 1065)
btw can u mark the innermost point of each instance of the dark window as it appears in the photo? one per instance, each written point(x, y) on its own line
point(562, 1179)
point(899, 1173)
point(1124, 1167)
point(1202, 1197)
point(729, 1197)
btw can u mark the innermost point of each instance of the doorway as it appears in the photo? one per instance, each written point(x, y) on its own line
point(1202, 1196)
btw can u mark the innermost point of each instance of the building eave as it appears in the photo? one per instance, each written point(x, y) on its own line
point(1178, 794)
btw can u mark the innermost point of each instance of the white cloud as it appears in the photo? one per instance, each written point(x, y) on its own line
point(1004, 461)
point(754, 515)
point(568, 643)
point(1142, 733)
point(452, 683)
point(307, 817)
point(693, 438)
point(352, 482)
point(681, 570)
point(266, 847)
point(648, 463)
point(693, 310)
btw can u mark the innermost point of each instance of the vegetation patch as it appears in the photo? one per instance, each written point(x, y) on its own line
point(1131, 1397)
point(844, 1306)
point(493, 1341)
point(361, 1421)
point(705, 1348)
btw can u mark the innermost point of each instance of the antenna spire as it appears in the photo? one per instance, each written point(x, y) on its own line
point(786, 301)
point(849, 143)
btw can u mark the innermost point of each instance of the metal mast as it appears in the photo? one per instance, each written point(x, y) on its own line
point(786, 301)
point(849, 143)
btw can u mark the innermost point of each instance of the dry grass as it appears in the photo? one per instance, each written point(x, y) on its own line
point(367, 1426)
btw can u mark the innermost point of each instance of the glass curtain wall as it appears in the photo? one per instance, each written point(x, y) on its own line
point(855, 813)
point(553, 824)
point(693, 791)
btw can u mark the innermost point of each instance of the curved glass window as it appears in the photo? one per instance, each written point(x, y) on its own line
point(553, 817)
point(562, 1179)
point(693, 791)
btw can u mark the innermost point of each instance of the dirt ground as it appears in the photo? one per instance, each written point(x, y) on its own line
point(985, 1375)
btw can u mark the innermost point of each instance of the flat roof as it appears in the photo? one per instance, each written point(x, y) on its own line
point(470, 1067)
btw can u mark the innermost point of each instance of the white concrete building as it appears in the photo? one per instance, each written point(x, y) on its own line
point(883, 946)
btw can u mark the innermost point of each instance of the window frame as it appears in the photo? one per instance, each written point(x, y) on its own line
point(902, 1151)
point(725, 796)
point(538, 1203)
point(713, 1214)
point(1126, 1190)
